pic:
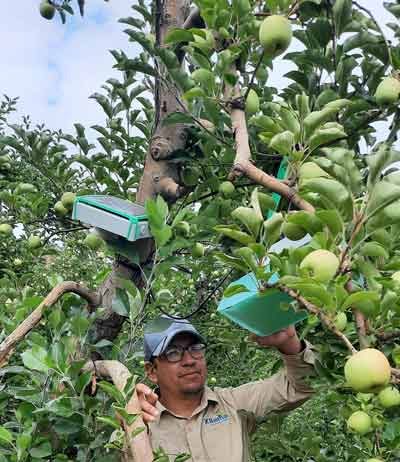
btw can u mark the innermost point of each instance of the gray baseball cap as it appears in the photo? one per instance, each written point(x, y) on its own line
point(159, 333)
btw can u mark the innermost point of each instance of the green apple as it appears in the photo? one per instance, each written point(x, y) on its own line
point(202, 76)
point(292, 231)
point(396, 276)
point(93, 241)
point(360, 422)
point(388, 91)
point(190, 176)
point(47, 10)
point(60, 209)
point(6, 229)
point(24, 188)
point(374, 460)
point(340, 321)
point(212, 380)
point(34, 242)
point(252, 102)
point(17, 262)
point(389, 397)
point(275, 35)
point(321, 265)
point(182, 228)
point(198, 250)
point(164, 296)
point(367, 370)
point(67, 199)
point(226, 188)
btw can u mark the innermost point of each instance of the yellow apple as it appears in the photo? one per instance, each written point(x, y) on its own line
point(360, 422)
point(367, 370)
point(275, 35)
point(321, 265)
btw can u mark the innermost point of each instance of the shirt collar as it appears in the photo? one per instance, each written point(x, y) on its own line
point(209, 396)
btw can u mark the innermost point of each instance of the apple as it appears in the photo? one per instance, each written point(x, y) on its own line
point(252, 102)
point(17, 262)
point(321, 265)
point(292, 231)
point(212, 380)
point(389, 397)
point(340, 321)
point(202, 76)
point(396, 276)
point(226, 188)
point(24, 188)
point(93, 241)
point(164, 296)
point(198, 250)
point(67, 199)
point(34, 242)
point(47, 10)
point(367, 370)
point(182, 228)
point(275, 35)
point(190, 176)
point(374, 460)
point(60, 209)
point(6, 229)
point(360, 422)
point(388, 91)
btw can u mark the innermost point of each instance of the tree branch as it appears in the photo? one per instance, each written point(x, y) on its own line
point(139, 445)
point(33, 319)
point(322, 316)
point(270, 182)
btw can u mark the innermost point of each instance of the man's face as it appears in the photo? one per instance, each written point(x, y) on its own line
point(183, 377)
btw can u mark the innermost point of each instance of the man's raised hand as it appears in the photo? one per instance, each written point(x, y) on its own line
point(147, 400)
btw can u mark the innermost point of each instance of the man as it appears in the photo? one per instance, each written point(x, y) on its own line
point(185, 416)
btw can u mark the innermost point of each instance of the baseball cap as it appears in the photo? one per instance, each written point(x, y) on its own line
point(159, 332)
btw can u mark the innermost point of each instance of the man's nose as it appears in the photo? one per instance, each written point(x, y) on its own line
point(187, 358)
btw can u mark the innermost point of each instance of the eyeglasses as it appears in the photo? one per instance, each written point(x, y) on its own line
point(174, 353)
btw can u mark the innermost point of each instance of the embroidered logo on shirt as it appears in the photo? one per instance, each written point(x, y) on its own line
point(216, 420)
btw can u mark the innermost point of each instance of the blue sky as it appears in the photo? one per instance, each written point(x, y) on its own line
point(54, 68)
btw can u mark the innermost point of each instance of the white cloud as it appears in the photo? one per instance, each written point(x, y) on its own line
point(54, 68)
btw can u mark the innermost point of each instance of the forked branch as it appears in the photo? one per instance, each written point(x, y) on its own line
point(139, 446)
point(7, 346)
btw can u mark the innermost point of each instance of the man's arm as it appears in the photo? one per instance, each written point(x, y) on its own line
point(283, 391)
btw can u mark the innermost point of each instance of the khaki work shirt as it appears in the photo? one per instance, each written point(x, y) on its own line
point(219, 429)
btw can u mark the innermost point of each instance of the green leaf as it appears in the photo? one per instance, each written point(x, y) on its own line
point(342, 15)
point(282, 143)
point(332, 219)
point(235, 234)
point(113, 392)
point(41, 451)
point(5, 436)
point(360, 297)
point(377, 163)
point(235, 289)
point(112, 421)
point(120, 303)
point(36, 359)
point(177, 118)
point(374, 249)
point(178, 35)
point(325, 136)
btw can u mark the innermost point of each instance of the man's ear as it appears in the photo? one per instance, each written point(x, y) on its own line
point(151, 371)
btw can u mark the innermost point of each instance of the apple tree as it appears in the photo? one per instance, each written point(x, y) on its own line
point(227, 165)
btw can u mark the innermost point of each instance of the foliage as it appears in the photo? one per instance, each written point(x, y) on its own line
point(49, 409)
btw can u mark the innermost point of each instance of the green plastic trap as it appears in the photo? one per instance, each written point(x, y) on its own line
point(263, 313)
point(112, 214)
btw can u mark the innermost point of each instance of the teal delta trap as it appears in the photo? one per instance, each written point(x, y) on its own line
point(114, 215)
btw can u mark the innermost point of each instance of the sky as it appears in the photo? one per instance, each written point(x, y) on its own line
point(54, 68)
